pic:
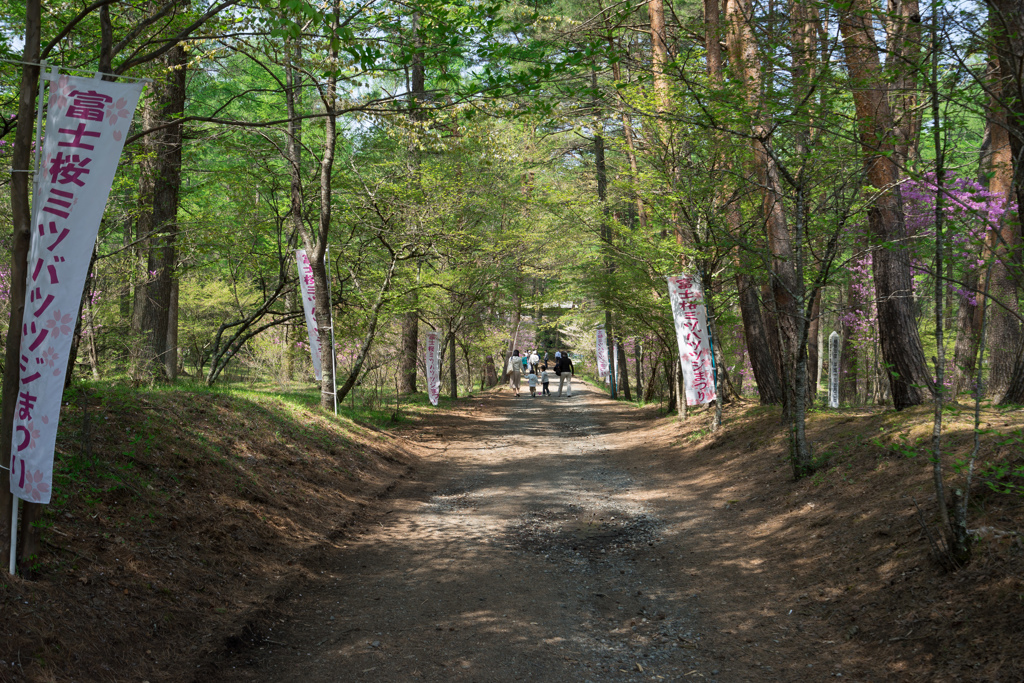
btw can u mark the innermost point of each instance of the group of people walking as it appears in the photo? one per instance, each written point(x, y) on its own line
point(530, 366)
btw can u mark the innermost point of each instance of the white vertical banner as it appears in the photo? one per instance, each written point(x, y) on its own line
point(86, 127)
point(691, 321)
point(602, 352)
point(309, 308)
point(433, 365)
point(834, 351)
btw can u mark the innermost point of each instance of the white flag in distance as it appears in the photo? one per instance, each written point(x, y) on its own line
point(602, 352)
point(86, 126)
point(309, 308)
point(691, 321)
point(433, 365)
point(834, 355)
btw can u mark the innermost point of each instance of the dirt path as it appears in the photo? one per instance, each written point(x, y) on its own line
point(530, 549)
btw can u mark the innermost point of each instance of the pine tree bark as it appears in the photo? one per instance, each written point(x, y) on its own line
point(410, 350)
point(902, 62)
point(965, 350)
point(411, 320)
point(638, 351)
point(745, 62)
point(901, 348)
point(1002, 246)
point(812, 350)
point(21, 219)
point(171, 355)
point(623, 372)
point(1006, 22)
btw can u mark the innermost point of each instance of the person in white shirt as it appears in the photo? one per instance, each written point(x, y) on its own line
point(534, 361)
point(544, 381)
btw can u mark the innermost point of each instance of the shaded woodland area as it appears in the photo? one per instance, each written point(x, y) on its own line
point(514, 174)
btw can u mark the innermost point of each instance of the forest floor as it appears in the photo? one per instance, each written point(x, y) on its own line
point(548, 539)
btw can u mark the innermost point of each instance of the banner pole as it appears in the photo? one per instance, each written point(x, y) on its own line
point(39, 131)
point(330, 316)
point(14, 534)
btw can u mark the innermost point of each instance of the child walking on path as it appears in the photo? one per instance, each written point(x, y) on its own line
point(532, 379)
point(544, 381)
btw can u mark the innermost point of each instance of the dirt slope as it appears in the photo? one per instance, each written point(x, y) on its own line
point(177, 515)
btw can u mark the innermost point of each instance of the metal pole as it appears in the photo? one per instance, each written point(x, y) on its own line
point(14, 534)
point(43, 76)
point(330, 316)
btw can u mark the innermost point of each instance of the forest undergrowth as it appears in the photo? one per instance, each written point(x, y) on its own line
point(845, 547)
point(179, 515)
point(176, 514)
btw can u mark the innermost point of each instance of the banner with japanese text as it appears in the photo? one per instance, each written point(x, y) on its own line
point(834, 352)
point(309, 308)
point(86, 126)
point(433, 365)
point(691, 321)
point(602, 352)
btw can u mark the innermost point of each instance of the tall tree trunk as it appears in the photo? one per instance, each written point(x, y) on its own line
point(968, 334)
point(901, 348)
point(410, 350)
point(771, 338)
point(812, 349)
point(1006, 21)
point(652, 382)
point(21, 219)
point(623, 372)
point(316, 244)
point(627, 134)
point(745, 61)
point(1003, 246)
point(765, 372)
point(157, 227)
point(171, 355)
point(903, 64)
point(659, 53)
point(671, 383)
point(663, 105)
point(638, 351)
point(411, 320)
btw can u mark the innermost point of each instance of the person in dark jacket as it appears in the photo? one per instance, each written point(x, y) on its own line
point(564, 369)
